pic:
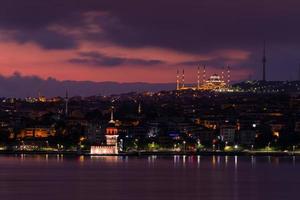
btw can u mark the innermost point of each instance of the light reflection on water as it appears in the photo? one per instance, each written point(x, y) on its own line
point(178, 160)
point(148, 177)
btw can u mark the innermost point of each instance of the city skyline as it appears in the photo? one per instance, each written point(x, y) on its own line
point(140, 99)
point(105, 41)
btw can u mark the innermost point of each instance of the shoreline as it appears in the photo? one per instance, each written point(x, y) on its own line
point(148, 153)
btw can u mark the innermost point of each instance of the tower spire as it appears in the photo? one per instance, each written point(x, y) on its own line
point(264, 60)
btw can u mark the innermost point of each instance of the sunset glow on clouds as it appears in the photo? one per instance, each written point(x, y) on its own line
point(30, 59)
point(141, 42)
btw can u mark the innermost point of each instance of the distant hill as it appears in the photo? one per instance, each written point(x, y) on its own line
point(23, 86)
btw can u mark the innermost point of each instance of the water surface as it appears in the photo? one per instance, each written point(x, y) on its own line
point(29, 177)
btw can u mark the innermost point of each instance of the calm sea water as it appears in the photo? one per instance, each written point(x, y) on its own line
point(28, 177)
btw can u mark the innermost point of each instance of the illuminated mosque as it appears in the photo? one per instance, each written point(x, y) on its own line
point(213, 83)
point(111, 136)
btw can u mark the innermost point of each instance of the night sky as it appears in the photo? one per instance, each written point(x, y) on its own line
point(146, 41)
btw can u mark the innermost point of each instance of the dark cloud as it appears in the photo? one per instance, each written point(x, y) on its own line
point(97, 59)
point(185, 25)
point(47, 39)
point(201, 26)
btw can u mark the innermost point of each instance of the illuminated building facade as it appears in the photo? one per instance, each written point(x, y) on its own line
point(36, 133)
point(111, 136)
point(213, 83)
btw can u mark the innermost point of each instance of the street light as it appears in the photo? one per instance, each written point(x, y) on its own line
point(294, 147)
point(269, 146)
point(121, 144)
point(199, 144)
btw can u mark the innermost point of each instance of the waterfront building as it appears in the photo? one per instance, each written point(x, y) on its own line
point(227, 133)
point(111, 136)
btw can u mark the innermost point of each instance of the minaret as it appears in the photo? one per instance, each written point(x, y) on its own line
point(177, 81)
point(139, 109)
point(112, 121)
point(67, 103)
point(264, 60)
point(204, 75)
point(198, 78)
point(183, 78)
point(228, 75)
point(222, 75)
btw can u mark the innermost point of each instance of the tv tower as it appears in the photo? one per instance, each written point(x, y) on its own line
point(67, 103)
point(299, 73)
point(264, 60)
